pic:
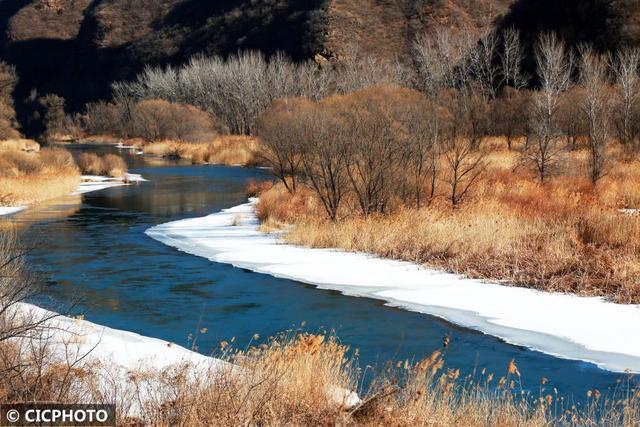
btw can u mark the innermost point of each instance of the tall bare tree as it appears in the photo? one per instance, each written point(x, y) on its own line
point(483, 67)
point(511, 57)
point(281, 130)
point(324, 157)
point(438, 56)
point(626, 67)
point(554, 67)
point(596, 109)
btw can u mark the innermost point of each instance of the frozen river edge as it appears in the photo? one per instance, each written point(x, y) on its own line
point(567, 326)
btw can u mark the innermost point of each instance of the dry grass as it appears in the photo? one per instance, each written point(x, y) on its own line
point(26, 145)
point(225, 150)
point(301, 379)
point(564, 236)
point(34, 177)
point(107, 165)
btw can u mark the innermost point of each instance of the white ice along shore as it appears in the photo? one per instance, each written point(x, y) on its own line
point(88, 184)
point(562, 325)
point(94, 182)
point(118, 354)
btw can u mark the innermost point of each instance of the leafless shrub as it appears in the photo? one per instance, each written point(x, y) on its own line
point(17, 285)
point(464, 165)
point(156, 119)
point(281, 132)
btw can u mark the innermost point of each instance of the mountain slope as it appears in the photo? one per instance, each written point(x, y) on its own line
point(76, 48)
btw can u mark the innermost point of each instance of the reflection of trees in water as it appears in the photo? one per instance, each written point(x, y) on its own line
point(51, 210)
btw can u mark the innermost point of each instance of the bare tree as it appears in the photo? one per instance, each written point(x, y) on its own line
point(510, 114)
point(17, 285)
point(370, 120)
point(425, 129)
point(511, 57)
point(593, 78)
point(281, 130)
point(625, 65)
point(464, 167)
point(554, 68)
point(570, 115)
point(358, 70)
point(483, 66)
point(438, 56)
point(324, 158)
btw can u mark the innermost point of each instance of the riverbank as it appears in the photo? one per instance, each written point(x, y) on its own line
point(229, 150)
point(88, 184)
point(28, 177)
point(298, 380)
point(562, 325)
point(144, 375)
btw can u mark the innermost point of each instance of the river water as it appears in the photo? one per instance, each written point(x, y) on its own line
point(93, 253)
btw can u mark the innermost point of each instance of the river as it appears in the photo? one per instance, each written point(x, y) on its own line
point(93, 253)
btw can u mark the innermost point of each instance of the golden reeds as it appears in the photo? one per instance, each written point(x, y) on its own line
point(226, 150)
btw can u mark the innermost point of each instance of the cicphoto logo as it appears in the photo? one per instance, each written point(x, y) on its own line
point(48, 414)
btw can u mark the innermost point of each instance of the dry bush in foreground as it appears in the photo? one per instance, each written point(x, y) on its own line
point(226, 150)
point(33, 177)
point(303, 379)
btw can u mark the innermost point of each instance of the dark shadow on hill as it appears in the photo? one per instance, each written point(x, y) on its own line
point(8, 8)
point(74, 69)
point(576, 21)
point(295, 27)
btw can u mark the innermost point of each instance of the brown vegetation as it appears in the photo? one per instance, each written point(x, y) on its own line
point(107, 165)
point(8, 81)
point(564, 236)
point(224, 150)
point(388, 164)
point(151, 120)
point(48, 19)
point(34, 177)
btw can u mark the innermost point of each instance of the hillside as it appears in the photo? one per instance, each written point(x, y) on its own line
point(91, 43)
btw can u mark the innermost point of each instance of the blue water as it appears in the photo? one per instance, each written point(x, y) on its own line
point(94, 254)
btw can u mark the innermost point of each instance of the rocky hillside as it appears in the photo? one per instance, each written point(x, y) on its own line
point(76, 48)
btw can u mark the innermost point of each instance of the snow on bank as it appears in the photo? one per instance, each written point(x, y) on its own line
point(89, 184)
point(568, 326)
point(113, 347)
point(120, 354)
point(8, 210)
point(94, 182)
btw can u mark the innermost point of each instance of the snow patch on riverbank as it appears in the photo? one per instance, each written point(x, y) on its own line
point(120, 354)
point(8, 210)
point(94, 182)
point(568, 326)
point(122, 349)
point(89, 184)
